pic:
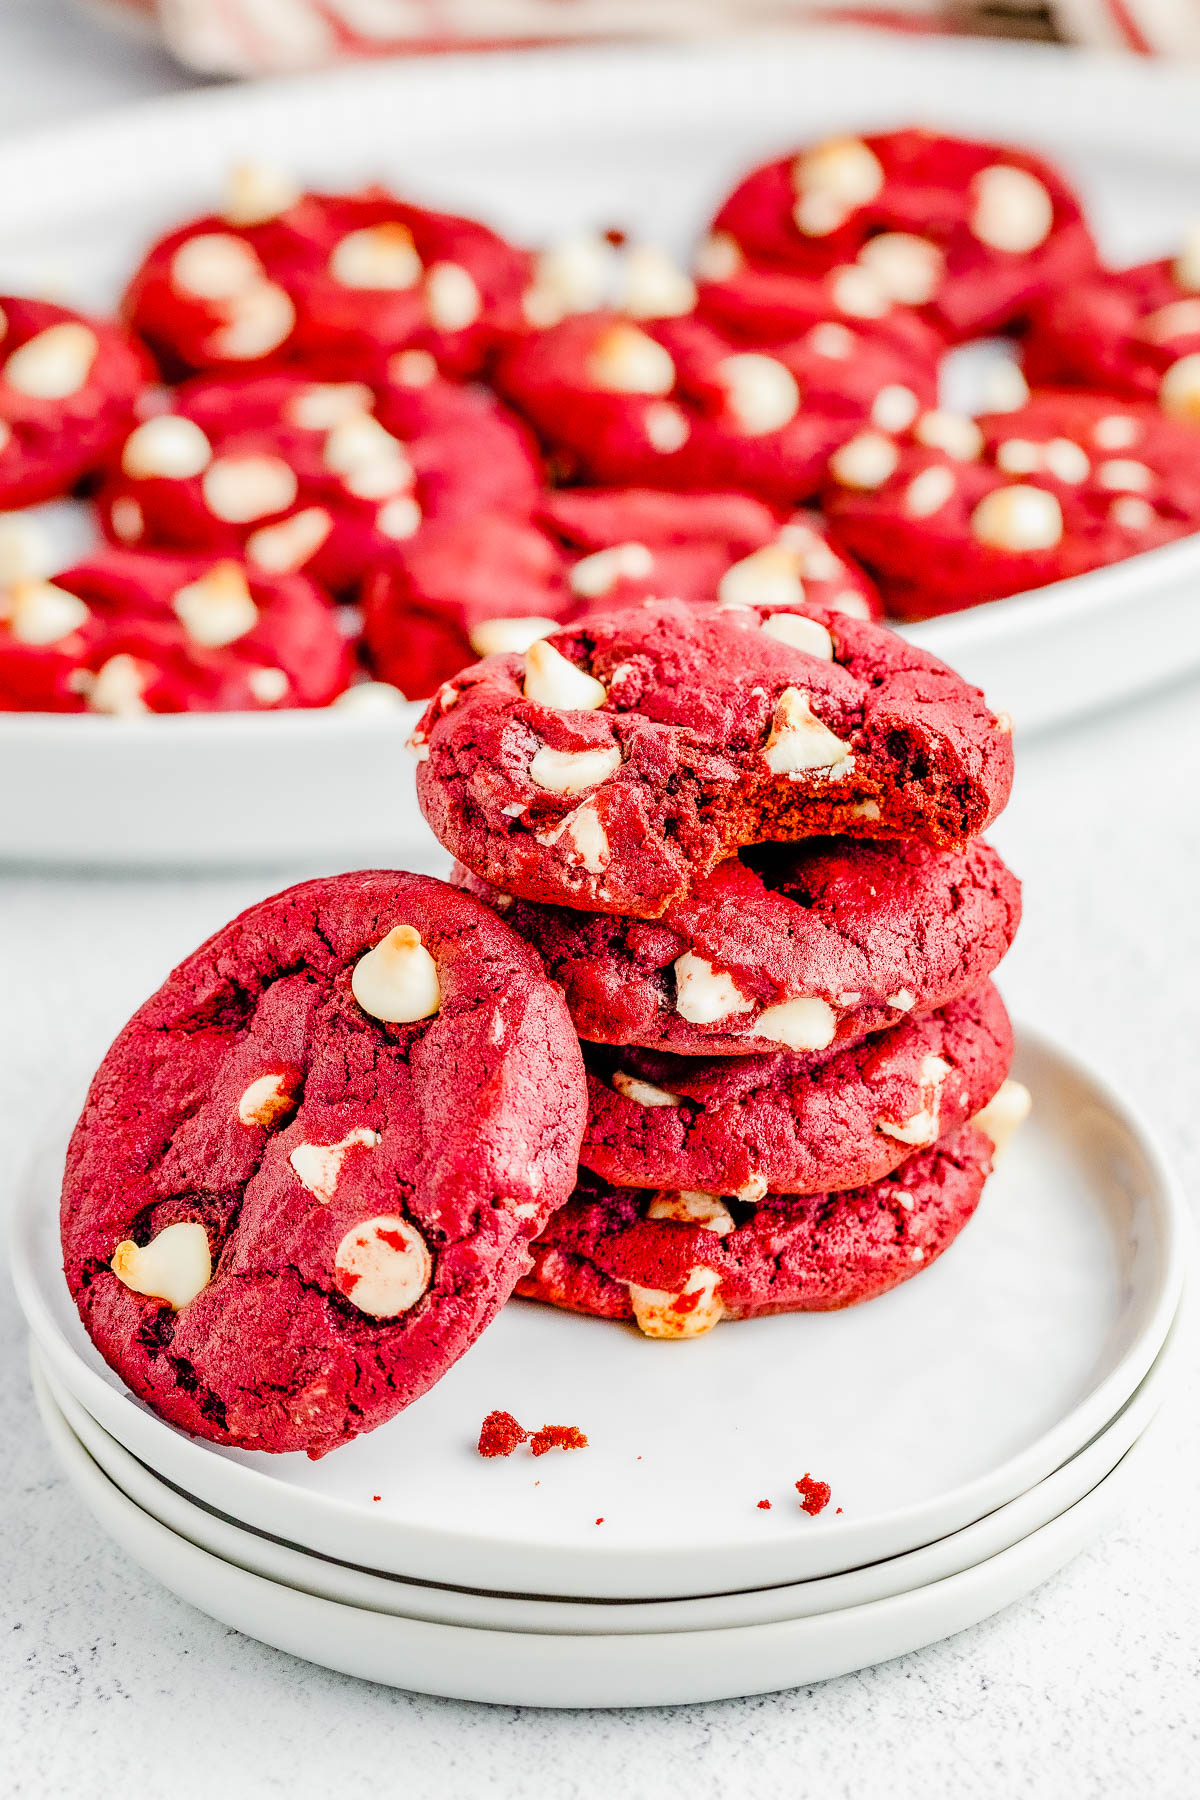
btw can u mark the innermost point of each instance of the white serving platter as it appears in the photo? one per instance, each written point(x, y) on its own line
point(924, 1410)
point(544, 144)
point(347, 1583)
point(561, 1669)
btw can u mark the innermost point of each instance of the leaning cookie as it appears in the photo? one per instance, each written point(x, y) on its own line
point(677, 1263)
point(807, 946)
point(793, 1124)
point(971, 234)
point(68, 385)
point(310, 1166)
point(620, 760)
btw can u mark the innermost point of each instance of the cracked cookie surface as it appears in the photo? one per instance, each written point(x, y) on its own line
point(309, 1168)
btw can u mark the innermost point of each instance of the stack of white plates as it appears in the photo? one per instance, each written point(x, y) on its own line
point(977, 1426)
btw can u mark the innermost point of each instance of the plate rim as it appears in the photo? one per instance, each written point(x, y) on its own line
point(330, 1520)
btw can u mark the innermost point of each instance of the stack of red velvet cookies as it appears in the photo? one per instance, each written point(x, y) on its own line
point(744, 841)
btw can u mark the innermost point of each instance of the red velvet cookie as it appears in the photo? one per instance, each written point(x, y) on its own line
point(1127, 331)
point(334, 283)
point(619, 761)
point(676, 403)
point(793, 1124)
point(971, 234)
point(67, 391)
point(807, 946)
point(676, 1264)
point(964, 510)
point(130, 632)
point(470, 587)
point(309, 1168)
point(327, 477)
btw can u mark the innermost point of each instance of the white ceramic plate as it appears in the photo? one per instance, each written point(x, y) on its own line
point(544, 144)
point(560, 1669)
point(344, 1582)
point(953, 1394)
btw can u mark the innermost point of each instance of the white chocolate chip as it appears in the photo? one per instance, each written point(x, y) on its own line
point(902, 1000)
point(586, 836)
point(397, 981)
point(950, 432)
point(371, 698)
point(575, 276)
point(127, 519)
point(894, 409)
point(832, 340)
point(695, 1309)
point(856, 292)
point(215, 266)
point(1116, 431)
point(922, 1127)
point(267, 1100)
point(238, 489)
point(753, 1189)
point(653, 286)
point(929, 491)
point(453, 300)
point(399, 518)
point(805, 1023)
point(1008, 1109)
point(1018, 518)
point(174, 1266)
point(801, 633)
point(571, 771)
point(327, 403)
point(1003, 389)
point(26, 553)
point(642, 1093)
point(864, 809)
point(1179, 391)
point(41, 613)
point(552, 679)
point(281, 549)
point(909, 269)
point(383, 1266)
point(118, 688)
point(689, 1207)
point(495, 637)
point(1018, 456)
point(767, 577)
point(719, 257)
point(359, 444)
point(799, 742)
point(382, 257)
point(1011, 209)
point(761, 393)
point(257, 194)
point(624, 360)
point(268, 686)
point(1125, 476)
point(864, 462)
point(1131, 513)
point(1180, 319)
point(259, 320)
point(831, 180)
point(854, 605)
point(218, 608)
point(666, 426)
point(412, 368)
point(55, 364)
point(318, 1167)
point(1066, 460)
point(170, 447)
point(704, 995)
point(596, 575)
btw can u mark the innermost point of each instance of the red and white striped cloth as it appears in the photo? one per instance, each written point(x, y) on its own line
point(250, 37)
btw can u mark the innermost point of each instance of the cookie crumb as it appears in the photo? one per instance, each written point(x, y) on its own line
point(764, 1506)
point(377, 1496)
point(500, 1434)
point(557, 1437)
point(839, 1509)
point(814, 1495)
point(600, 1521)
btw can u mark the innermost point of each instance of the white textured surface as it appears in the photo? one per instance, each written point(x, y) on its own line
point(1088, 1689)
